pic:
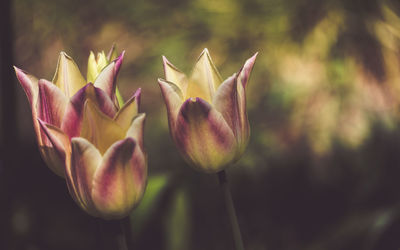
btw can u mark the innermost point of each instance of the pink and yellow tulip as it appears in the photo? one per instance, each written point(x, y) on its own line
point(60, 102)
point(207, 116)
point(85, 137)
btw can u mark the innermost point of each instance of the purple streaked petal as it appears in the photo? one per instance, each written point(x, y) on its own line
point(120, 180)
point(85, 159)
point(106, 80)
point(51, 103)
point(30, 85)
point(244, 72)
point(204, 137)
point(230, 101)
point(59, 146)
point(72, 121)
point(173, 98)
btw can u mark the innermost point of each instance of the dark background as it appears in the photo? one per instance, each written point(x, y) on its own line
point(322, 167)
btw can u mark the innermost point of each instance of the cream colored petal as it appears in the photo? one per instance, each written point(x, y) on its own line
point(68, 77)
point(136, 129)
point(99, 129)
point(204, 79)
point(126, 114)
point(91, 68)
point(174, 75)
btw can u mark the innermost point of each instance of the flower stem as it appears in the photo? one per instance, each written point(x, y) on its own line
point(114, 234)
point(223, 181)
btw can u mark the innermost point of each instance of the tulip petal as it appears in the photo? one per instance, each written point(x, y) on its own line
point(120, 180)
point(204, 79)
point(106, 80)
point(126, 114)
point(51, 103)
point(30, 85)
point(244, 73)
point(112, 54)
point(59, 140)
point(68, 77)
point(173, 98)
point(174, 75)
point(98, 128)
point(203, 136)
point(92, 68)
point(101, 61)
point(85, 159)
point(136, 129)
point(230, 101)
point(61, 143)
point(72, 121)
point(56, 154)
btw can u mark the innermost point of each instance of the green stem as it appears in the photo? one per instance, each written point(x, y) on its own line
point(237, 236)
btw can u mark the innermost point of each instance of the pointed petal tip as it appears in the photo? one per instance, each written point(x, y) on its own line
point(138, 95)
point(64, 54)
point(205, 51)
point(41, 123)
point(166, 61)
point(16, 69)
point(253, 58)
point(138, 92)
point(121, 56)
point(161, 80)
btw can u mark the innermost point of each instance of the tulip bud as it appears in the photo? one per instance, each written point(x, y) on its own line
point(207, 116)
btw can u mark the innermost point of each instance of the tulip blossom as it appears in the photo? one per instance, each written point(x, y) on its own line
point(105, 165)
point(85, 137)
point(207, 116)
point(60, 102)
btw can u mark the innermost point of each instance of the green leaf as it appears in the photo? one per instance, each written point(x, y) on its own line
point(178, 222)
point(154, 190)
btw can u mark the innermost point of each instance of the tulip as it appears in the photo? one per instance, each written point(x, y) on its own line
point(60, 102)
point(105, 166)
point(207, 116)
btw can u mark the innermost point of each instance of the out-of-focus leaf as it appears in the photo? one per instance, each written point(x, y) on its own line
point(178, 222)
point(154, 189)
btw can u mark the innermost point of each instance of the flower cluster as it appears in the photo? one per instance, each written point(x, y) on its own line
point(89, 136)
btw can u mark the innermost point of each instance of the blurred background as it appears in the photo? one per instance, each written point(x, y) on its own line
point(322, 168)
